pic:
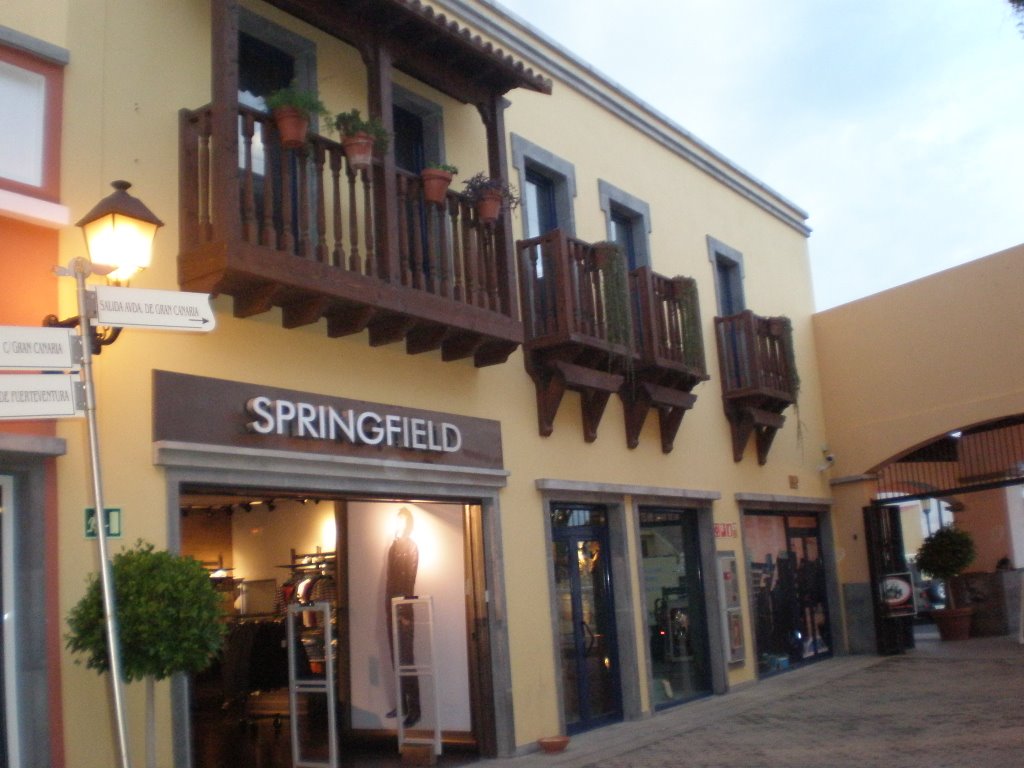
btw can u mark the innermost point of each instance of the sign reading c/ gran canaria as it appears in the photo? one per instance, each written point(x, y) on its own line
point(38, 349)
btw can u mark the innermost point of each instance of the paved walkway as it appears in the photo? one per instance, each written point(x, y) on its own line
point(943, 705)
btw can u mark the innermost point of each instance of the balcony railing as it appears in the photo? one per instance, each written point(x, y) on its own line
point(303, 230)
point(584, 332)
point(759, 376)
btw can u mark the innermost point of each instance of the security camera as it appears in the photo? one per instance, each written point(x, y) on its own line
point(829, 458)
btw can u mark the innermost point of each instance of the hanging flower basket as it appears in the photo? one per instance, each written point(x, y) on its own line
point(292, 108)
point(358, 150)
point(488, 195)
point(488, 205)
point(292, 126)
point(435, 184)
point(359, 137)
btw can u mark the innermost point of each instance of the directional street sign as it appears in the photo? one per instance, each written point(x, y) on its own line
point(39, 349)
point(145, 308)
point(39, 396)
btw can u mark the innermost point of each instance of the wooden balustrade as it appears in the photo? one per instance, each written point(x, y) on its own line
point(759, 377)
point(756, 356)
point(442, 286)
point(645, 345)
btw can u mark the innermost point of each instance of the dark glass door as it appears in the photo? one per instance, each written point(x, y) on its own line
point(586, 617)
point(676, 618)
point(790, 601)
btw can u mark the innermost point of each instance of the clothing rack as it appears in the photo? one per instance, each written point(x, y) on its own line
point(310, 561)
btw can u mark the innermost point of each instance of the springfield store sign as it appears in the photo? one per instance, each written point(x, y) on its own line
point(197, 409)
point(325, 422)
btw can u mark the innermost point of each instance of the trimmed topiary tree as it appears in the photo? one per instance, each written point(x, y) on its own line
point(168, 618)
point(946, 554)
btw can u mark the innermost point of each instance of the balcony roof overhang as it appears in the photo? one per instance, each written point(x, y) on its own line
point(424, 44)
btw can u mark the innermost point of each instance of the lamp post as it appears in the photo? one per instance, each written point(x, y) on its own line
point(119, 234)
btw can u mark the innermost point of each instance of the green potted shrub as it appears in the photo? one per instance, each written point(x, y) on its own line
point(293, 109)
point(359, 137)
point(435, 179)
point(169, 619)
point(944, 555)
point(488, 195)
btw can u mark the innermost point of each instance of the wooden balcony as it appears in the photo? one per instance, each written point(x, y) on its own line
point(303, 231)
point(759, 377)
point(648, 349)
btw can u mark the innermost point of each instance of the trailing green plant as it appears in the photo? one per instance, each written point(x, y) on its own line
point(168, 616)
point(352, 122)
point(299, 98)
point(617, 303)
point(693, 337)
point(477, 184)
point(446, 167)
point(945, 554)
point(790, 350)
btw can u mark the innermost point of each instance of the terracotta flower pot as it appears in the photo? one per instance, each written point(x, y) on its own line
point(292, 126)
point(358, 150)
point(552, 744)
point(488, 205)
point(435, 184)
point(954, 623)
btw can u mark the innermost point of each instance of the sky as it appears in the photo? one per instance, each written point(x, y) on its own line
point(897, 125)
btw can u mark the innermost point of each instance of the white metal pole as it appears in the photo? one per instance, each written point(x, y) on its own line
point(81, 268)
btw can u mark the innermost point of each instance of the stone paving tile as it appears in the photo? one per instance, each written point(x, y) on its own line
point(944, 705)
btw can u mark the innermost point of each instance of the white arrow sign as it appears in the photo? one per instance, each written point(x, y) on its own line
point(38, 396)
point(145, 308)
point(39, 349)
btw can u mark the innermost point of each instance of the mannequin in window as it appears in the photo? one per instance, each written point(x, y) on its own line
point(402, 562)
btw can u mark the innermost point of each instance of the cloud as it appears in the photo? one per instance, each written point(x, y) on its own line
point(896, 125)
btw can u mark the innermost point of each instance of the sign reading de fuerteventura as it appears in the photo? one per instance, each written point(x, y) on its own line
point(39, 396)
point(39, 349)
point(147, 308)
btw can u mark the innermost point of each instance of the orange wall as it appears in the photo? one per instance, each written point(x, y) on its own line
point(912, 363)
point(27, 256)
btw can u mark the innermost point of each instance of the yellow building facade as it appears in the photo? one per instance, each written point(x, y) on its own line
point(608, 520)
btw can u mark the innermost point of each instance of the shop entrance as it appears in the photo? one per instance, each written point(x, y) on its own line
point(591, 694)
point(676, 619)
point(788, 589)
point(270, 554)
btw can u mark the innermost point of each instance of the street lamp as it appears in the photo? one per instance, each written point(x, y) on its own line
point(119, 235)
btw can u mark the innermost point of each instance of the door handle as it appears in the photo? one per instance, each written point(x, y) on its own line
point(590, 638)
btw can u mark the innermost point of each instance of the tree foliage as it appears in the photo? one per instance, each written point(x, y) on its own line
point(168, 616)
point(946, 553)
point(1018, 8)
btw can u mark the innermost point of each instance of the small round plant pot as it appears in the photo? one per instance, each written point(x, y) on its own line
point(435, 185)
point(552, 744)
point(358, 151)
point(488, 205)
point(292, 126)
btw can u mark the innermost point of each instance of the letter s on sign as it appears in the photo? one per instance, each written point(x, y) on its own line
point(260, 408)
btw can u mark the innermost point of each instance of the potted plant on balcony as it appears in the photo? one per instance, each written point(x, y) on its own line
point(436, 178)
point(293, 109)
point(944, 555)
point(169, 618)
point(359, 137)
point(488, 195)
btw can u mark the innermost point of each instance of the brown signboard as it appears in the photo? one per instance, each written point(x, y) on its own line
point(197, 409)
